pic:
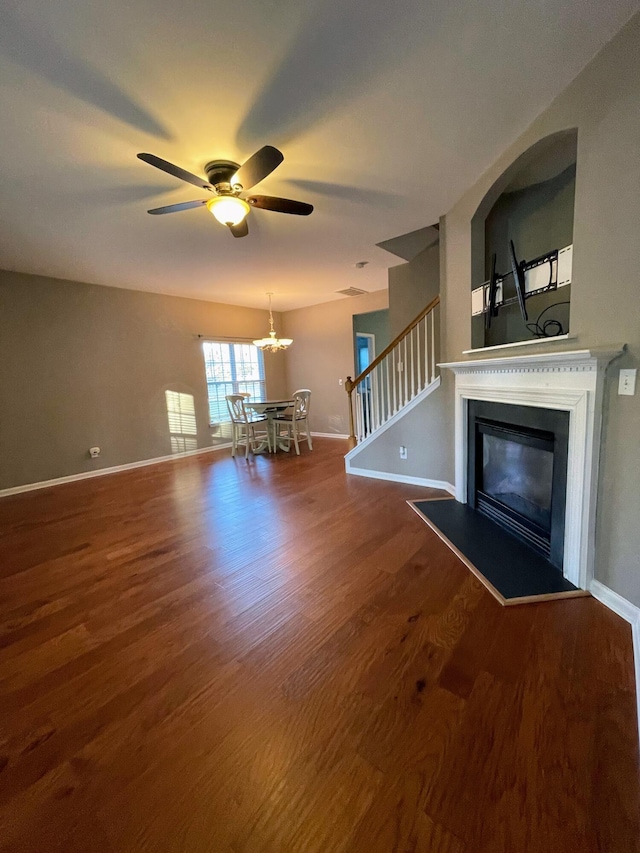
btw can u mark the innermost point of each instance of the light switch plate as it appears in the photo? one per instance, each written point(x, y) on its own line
point(627, 382)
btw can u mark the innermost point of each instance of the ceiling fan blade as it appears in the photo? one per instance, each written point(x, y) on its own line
point(241, 229)
point(176, 171)
point(280, 205)
point(174, 208)
point(258, 166)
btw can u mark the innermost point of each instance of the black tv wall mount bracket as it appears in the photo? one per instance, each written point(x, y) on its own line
point(547, 272)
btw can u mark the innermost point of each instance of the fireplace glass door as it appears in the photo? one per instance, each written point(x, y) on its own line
point(517, 472)
point(519, 476)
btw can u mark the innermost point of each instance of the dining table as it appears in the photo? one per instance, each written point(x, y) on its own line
point(271, 408)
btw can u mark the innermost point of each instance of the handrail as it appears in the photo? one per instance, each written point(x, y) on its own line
point(385, 352)
point(374, 410)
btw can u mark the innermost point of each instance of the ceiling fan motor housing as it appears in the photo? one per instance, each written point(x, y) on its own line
point(220, 172)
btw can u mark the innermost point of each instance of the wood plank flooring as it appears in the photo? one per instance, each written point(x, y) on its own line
point(267, 656)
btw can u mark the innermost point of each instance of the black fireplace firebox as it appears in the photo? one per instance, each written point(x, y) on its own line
point(517, 471)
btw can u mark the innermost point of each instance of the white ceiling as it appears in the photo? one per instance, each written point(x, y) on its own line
point(385, 112)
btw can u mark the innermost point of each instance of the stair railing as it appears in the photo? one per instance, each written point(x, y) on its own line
point(401, 371)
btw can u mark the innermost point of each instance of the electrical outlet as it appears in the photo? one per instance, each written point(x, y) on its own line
point(339, 381)
point(627, 382)
point(94, 452)
point(403, 452)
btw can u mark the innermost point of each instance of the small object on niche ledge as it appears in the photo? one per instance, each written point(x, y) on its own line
point(551, 328)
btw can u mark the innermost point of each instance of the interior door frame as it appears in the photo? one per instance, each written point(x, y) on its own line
point(371, 346)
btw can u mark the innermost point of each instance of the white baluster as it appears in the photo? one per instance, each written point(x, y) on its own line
point(386, 414)
point(366, 426)
point(394, 365)
point(426, 352)
point(433, 346)
point(406, 374)
point(418, 357)
point(413, 368)
point(376, 397)
point(365, 409)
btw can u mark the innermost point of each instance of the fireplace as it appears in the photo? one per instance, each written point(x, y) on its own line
point(569, 382)
point(517, 472)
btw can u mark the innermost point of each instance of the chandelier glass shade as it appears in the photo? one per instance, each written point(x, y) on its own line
point(228, 209)
point(272, 344)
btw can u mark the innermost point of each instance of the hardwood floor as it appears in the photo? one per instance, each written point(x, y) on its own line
point(219, 656)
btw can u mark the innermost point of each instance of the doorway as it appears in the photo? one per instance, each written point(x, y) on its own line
point(365, 354)
point(365, 350)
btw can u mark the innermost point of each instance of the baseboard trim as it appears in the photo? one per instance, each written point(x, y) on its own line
point(101, 472)
point(402, 478)
point(328, 435)
point(631, 614)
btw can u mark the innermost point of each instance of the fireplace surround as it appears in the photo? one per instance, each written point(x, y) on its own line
point(570, 382)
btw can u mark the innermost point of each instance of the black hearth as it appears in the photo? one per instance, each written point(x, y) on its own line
point(517, 472)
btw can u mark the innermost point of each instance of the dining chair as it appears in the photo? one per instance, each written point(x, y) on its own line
point(296, 419)
point(248, 430)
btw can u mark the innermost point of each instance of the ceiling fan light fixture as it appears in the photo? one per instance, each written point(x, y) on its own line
point(272, 344)
point(228, 209)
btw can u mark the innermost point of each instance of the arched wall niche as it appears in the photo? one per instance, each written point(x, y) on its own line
point(531, 203)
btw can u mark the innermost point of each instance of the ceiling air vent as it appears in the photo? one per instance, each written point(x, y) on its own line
point(352, 291)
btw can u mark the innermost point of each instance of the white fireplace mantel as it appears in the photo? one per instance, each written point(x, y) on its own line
point(571, 381)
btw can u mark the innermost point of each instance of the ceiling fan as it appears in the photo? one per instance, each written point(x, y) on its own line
point(227, 180)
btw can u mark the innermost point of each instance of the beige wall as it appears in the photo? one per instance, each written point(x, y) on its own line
point(85, 365)
point(322, 354)
point(603, 103)
point(412, 286)
point(423, 431)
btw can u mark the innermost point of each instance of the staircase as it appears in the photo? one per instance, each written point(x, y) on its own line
point(401, 376)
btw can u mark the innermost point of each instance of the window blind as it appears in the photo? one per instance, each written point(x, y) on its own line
point(232, 368)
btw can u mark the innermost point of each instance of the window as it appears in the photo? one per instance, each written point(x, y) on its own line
point(232, 368)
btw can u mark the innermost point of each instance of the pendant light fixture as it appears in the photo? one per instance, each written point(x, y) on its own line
point(272, 344)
